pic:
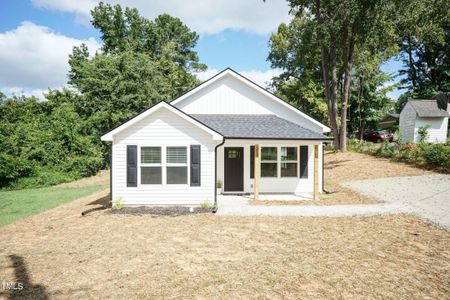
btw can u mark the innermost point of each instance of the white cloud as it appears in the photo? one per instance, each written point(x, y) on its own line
point(34, 58)
point(261, 78)
point(203, 16)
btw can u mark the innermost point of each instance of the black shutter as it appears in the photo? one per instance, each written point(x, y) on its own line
point(195, 165)
point(252, 161)
point(303, 161)
point(131, 165)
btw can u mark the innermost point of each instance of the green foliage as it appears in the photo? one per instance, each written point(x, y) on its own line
point(141, 63)
point(436, 154)
point(386, 150)
point(44, 141)
point(357, 145)
point(206, 205)
point(424, 47)
point(117, 204)
point(423, 132)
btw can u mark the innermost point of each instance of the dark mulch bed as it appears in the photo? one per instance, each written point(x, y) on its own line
point(160, 211)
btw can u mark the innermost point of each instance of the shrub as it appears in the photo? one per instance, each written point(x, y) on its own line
point(423, 132)
point(410, 152)
point(386, 150)
point(117, 205)
point(436, 154)
point(206, 205)
point(357, 145)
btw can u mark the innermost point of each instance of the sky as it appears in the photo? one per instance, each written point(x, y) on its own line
point(36, 37)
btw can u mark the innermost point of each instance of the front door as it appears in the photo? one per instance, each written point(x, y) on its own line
point(234, 169)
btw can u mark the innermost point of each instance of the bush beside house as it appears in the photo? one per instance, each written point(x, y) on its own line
point(433, 155)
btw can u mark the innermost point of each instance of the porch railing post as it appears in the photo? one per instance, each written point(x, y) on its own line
point(316, 172)
point(257, 174)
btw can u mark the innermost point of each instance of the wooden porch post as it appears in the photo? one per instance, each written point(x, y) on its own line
point(316, 172)
point(257, 174)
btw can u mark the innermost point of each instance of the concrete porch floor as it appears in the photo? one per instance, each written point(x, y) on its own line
point(235, 205)
point(281, 197)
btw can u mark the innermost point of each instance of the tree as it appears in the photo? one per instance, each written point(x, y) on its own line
point(293, 49)
point(141, 63)
point(424, 49)
point(369, 102)
point(128, 31)
point(341, 29)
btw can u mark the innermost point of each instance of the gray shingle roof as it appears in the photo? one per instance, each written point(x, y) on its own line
point(257, 126)
point(428, 108)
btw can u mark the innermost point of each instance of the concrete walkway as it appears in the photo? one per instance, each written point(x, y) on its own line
point(238, 206)
point(427, 196)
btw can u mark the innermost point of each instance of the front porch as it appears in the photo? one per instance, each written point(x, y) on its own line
point(270, 169)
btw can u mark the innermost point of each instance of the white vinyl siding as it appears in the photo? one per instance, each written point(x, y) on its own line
point(437, 132)
point(274, 184)
point(163, 129)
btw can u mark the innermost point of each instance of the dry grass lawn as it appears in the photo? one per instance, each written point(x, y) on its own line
point(59, 254)
point(343, 167)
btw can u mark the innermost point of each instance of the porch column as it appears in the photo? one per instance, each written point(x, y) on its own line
point(257, 174)
point(316, 172)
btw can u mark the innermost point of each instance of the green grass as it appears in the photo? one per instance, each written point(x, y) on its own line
point(15, 205)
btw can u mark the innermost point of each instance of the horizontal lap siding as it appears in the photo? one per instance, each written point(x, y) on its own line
point(279, 184)
point(437, 132)
point(163, 128)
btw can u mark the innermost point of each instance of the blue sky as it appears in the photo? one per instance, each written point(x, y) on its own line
point(36, 37)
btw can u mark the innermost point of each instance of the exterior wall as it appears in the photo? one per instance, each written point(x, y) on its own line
point(437, 133)
point(407, 124)
point(163, 128)
point(231, 96)
point(273, 185)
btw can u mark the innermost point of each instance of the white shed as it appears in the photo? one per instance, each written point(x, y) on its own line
point(420, 113)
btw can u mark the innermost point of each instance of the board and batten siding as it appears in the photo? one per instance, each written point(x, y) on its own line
point(163, 128)
point(230, 96)
point(407, 123)
point(294, 185)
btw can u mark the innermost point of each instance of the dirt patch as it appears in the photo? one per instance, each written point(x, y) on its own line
point(160, 211)
point(60, 254)
point(101, 177)
point(344, 167)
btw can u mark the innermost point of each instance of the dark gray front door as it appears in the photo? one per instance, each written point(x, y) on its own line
point(234, 169)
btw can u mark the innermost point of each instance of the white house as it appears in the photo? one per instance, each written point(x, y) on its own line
point(174, 153)
point(420, 113)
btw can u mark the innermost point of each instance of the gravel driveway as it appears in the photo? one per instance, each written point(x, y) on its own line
point(426, 195)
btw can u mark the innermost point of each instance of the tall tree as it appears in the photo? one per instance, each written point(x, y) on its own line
point(424, 43)
point(341, 28)
point(141, 62)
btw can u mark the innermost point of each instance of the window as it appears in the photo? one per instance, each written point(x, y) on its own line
point(269, 163)
point(176, 159)
point(288, 161)
point(151, 165)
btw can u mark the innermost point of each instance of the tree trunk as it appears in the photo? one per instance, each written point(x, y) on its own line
point(348, 65)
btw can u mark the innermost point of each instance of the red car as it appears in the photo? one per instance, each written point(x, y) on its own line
point(378, 136)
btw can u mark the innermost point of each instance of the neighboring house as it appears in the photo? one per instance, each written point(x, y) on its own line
point(389, 122)
point(173, 154)
point(420, 113)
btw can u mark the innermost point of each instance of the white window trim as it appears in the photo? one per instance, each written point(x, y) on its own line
point(163, 166)
point(277, 161)
point(297, 153)
point(166, 164)
point(141, 164)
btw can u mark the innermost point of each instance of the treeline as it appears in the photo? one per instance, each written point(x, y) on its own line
point(352, 39)
point(140, 63)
